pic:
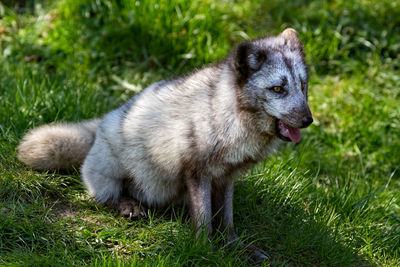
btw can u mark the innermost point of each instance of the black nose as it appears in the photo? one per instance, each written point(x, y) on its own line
point(307, 121)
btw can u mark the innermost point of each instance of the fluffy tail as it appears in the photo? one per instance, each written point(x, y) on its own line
point(58, 146)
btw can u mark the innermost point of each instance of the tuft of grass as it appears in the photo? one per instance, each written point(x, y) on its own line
point(330, 200)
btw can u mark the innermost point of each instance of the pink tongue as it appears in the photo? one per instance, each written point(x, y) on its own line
point(292, 133)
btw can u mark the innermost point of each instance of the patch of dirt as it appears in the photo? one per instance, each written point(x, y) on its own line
point(68, 211)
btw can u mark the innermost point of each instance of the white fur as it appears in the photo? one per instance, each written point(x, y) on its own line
point(57, 146)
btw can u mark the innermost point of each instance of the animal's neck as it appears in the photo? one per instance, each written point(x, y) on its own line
point(239, 124)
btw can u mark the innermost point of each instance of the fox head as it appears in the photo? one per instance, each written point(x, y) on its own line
point(272, 77)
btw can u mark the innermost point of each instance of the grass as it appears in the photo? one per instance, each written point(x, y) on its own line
point(330, 200)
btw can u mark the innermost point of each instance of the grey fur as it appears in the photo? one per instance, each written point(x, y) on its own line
point(57, 146)
point(188, 138)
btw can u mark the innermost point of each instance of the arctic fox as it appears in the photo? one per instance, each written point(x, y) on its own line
point(187, 139)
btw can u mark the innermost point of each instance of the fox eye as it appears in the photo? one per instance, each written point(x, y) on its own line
point(277, 89)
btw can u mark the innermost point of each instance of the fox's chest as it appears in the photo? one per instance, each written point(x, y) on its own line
point(241, 155)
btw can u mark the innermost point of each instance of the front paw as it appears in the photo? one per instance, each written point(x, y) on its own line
point(255, 253)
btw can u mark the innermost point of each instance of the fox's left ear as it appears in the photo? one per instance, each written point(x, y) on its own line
point(248, 58)
point(292, 39)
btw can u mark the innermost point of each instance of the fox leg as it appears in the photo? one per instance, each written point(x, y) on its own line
point(222, 206)
point(199, 191)
point(101, 172)
point(104, 179)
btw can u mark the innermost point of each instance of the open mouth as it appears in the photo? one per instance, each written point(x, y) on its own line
point(287, 133)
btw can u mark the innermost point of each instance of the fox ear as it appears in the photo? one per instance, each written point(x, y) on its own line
point(292, 39)
point(247, 58)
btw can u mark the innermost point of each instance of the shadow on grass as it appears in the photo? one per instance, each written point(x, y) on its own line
point(289, 233)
